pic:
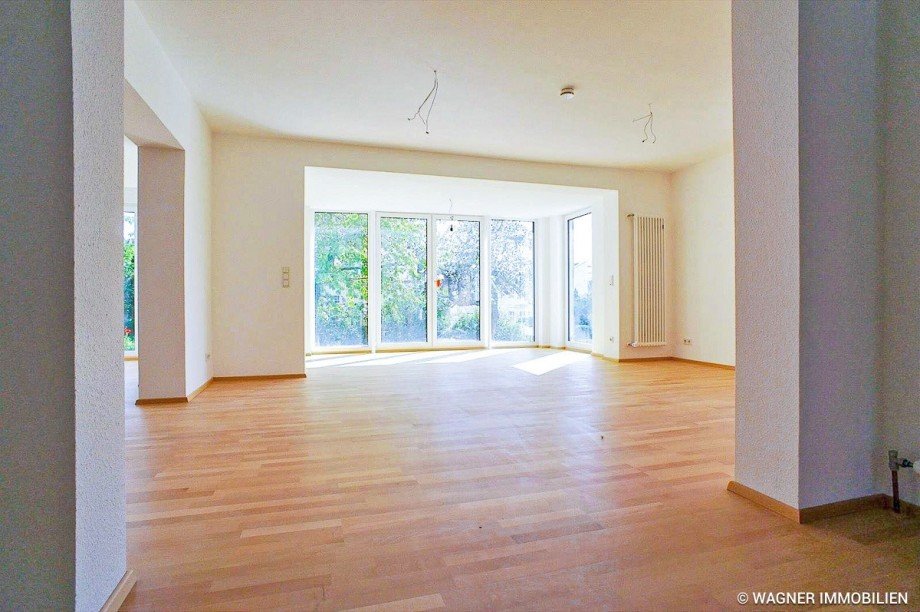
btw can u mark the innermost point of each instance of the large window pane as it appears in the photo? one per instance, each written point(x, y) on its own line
point(580, 280)
point(511, 258)
point(403, 279)
point(457, 279)
point(130, 252)
point(340, 287)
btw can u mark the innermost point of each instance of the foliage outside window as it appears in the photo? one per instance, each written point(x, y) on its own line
point(403, 279)
point(457, 282)
point(130, 248)
point(341, 270)
point(341, 313)
point(511, 257)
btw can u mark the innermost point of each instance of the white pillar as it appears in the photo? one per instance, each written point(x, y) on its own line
point(61, 372)
point(161, 272)
point(807, 202)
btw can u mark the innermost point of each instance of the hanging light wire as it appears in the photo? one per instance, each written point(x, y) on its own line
point(649, 126)
point(429, 100)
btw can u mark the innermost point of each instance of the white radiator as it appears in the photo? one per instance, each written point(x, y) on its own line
point(648, 281)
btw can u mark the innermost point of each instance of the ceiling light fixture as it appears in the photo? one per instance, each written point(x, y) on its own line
point(429, 100)
point(649, 125)
point(567, 93)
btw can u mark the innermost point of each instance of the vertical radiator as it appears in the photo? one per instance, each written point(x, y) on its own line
point(648, 281)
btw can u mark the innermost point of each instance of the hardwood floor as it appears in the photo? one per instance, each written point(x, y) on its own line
point(469, 481)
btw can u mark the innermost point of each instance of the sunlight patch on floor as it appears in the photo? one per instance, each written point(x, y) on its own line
point(471, 355)
point(324, 361)
point(542, 365)
point(391, 359)
point(538, 366)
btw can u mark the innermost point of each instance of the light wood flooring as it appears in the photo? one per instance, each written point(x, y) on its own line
point(520, 479)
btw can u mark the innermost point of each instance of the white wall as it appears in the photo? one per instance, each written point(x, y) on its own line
point(836, 124)
point(652, 198)
point(160, 272)
point(610, 253)
point(37, 379)
point(900, 352)
point(549, 279)
point(766, 140)
point(130, 174)
point(101, 535)
point(150, 73)
point(839, 211)
point(551, 272)
point(258, 228)
point(61, 382)
point(704, 260)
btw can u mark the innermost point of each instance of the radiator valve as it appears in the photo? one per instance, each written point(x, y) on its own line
point(895, 464)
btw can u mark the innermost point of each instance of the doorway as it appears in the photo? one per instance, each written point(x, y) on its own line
point(130, 251)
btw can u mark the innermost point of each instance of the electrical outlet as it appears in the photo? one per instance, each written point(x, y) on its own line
point(688, 341)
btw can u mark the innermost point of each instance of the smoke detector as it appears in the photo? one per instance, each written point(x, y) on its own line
point(567, 93)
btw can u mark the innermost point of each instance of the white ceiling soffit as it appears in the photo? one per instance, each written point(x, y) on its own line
point(142, 125)
point(361, 190)
point(354, 71)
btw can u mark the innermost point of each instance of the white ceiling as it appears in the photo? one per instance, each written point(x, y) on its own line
point(335, 189)
point(354, 71)
point(130, 174)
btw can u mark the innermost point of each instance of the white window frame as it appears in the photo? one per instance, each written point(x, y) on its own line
point(374, 320)
point(536, 288)
point(314, 347)
point(569, 343)
point(380, 345)
point(484, 328)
